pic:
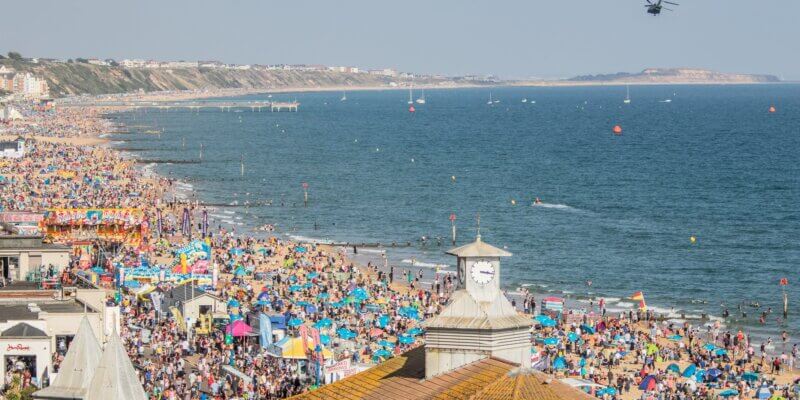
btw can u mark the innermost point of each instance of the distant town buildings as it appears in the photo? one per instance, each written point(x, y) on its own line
point(25, 84)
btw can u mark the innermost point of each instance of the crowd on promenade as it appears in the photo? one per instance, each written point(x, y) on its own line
point(358, 313)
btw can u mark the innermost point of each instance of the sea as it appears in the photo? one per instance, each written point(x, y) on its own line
point(696, 204)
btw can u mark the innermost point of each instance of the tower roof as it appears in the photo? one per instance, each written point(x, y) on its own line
point(115, 377)
point(478, 249)
point(464, 312)
point(78, 366)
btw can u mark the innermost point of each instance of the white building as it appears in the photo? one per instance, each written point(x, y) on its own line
point(12, 148)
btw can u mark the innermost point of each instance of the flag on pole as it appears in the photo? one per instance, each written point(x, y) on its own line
point(640, 297)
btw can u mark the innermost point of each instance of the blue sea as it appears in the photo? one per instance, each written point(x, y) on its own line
point(618, 210)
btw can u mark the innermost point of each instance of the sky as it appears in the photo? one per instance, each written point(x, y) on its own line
point(512, 39)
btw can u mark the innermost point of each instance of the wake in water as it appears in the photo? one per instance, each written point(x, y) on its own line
point(563, 207)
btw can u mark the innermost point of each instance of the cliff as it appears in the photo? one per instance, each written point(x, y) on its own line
point(82, 78)
point(675, 75)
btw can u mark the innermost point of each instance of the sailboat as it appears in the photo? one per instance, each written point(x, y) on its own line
point(411, 94)
point(344, 96)
point(627, 95)
point(421, 99)
point(490, 102)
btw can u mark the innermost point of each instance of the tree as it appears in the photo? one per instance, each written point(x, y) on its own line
point(14, 55)
point(82, 60)
point(2, 57)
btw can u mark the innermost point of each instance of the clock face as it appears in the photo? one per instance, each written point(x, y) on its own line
point(482, 272)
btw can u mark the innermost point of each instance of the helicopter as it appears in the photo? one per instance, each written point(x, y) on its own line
point(655, 8)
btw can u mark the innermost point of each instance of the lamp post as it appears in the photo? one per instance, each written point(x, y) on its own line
point(453, 226)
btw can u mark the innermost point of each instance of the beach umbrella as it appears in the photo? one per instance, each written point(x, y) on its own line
point(709, 347)
point(651, 349)
point(233, 303)
point(345, 333)
point(648, 383)
point(359, 293)
point(238, 328)
point(607, 391)
point(541, 318)
point(675, 338)
point(721, 352)
point(729, 393)
point(383, 320)
point(325, 339)
point(750, 376)
point(323, 323)
point(300, 249)
point(263, 296)
point(573, 337)
point(382, 353)
point(588, 329)
point(262, 303)
point(293, 322)
point(714, 373)
point(408, 312)
point(551, 341)
point(560, 363)
point(689, 371)
point(699, 375)
point(295, 288)
point(303, 303)
point(323, 296)
point(548, 323)
point(375, 332)
point(415, 331)
point(406, 339)
point(240, 271)
point(387, 344)
point(674, 368)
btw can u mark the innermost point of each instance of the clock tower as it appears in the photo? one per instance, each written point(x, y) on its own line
point(479, 321)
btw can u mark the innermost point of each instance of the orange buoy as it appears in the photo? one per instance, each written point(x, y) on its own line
point(617, 130)
point(411, 109)
point(772, 109)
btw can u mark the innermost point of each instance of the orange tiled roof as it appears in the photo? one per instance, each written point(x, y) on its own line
point(402, 377)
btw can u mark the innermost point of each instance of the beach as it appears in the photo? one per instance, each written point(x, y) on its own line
point(356, 306)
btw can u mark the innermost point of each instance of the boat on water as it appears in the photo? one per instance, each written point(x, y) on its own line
point(421, 99)
point(490, 99)
point(344, 96)
point(627, 94)
point(666, 101)
point(525, 100)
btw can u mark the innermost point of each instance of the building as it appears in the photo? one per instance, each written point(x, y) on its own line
point(22, 255)
point(477, 348)
point(192, 302)
point(33, 327)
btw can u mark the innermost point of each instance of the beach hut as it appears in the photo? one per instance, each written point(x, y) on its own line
point(648, 383)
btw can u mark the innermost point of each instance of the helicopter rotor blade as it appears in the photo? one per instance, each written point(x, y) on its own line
point(668, 9)
point(669, 2)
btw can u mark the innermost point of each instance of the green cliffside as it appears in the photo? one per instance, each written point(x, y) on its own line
point(81, 78)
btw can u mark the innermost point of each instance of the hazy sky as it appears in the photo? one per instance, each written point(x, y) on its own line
point(509, 38)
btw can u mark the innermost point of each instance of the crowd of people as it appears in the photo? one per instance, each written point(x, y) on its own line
point(363, 314)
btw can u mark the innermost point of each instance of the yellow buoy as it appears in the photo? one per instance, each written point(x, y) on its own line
point(693, 239)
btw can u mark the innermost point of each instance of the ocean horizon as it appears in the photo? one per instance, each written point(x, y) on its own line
point(617, 210)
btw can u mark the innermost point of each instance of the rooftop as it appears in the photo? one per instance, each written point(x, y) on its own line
point(478, 249)
point(19, 311)
point(402, 377)
point(23, 330)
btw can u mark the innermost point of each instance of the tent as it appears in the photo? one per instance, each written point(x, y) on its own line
point(292, 347)
point(648, 383)
point(689, 371)
point(674, 368)
point(238, 328)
